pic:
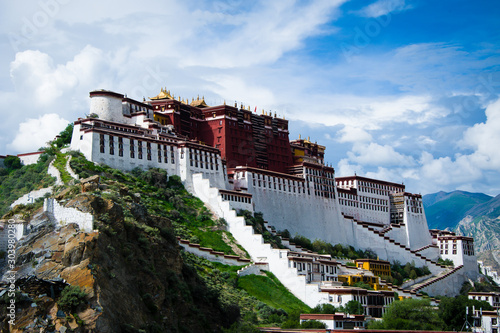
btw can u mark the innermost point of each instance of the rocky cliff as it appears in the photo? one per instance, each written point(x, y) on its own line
point(130, 269)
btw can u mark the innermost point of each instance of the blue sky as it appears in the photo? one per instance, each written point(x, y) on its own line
point(401, 90)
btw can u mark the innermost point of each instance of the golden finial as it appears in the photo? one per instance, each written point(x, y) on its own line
point(275, 115)
point(248, 108)
point(235, 104)
point(299, 136)
point(262, 111)
point(224, 102)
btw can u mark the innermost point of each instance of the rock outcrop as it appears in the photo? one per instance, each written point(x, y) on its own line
point(131, 271)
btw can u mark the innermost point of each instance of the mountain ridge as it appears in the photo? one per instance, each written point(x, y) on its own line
point(444, 210)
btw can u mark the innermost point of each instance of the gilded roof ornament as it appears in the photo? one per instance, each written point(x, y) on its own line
point(164, 94)
point(199, 102)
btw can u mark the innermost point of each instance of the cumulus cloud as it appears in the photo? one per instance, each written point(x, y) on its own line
point(378, 155)
point(35, 133)
point(35, 75)
point(484, 138)
point(369, 113)
point(353, 134)
point(346, 168)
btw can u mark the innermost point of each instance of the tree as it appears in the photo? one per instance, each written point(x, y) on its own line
point(452, 310)
point(325, 308)
point(410, 314)
point(12, 162)
point(64, 137)
point(353, 307)
point(312, 324)
point(364, 285)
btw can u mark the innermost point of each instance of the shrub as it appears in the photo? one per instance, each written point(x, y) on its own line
point(312, 324)
point(71, 298)
point(12, 162)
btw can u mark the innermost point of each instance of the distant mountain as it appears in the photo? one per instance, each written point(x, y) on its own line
point(483, 223)
point(445, 210)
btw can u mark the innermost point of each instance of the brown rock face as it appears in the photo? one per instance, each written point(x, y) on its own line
point(131, 271)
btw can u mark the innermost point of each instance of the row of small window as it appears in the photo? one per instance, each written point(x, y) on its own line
point(202, 159)
point(415, 210)
point(346, 195)
point(324, 194)
point(374, 201)
point(340, 324)
point(119, 128)
point(322, 187)
point(160, 147)
point(277, 186)
point(350, 203)
point(446, 251)
point(369, 185)
point(373, 190)
point(137, 108)
point(236, 198)
point(277, 179)
point(414, 203)
point(320, 173)
point(324, 268)
point(320, 180)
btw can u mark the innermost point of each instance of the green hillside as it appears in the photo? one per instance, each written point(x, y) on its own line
point(445, 210)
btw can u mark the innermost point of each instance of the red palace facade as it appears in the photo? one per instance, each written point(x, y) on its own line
point(243, 137)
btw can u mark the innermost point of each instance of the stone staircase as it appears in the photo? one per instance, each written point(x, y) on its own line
point(425, 247)
point(277, 261)
point(261, 253)
point(418, 257)
point(419, 286)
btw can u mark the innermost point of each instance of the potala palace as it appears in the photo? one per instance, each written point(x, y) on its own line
point(233, 158)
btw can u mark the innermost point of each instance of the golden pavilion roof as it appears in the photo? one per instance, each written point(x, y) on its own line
point(199, 102)
point(164, 94)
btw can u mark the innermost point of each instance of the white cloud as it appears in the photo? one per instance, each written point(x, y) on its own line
point(378, 155)
point(484, 138)
point(345, 168)
point(445, 171)
point(384, 7)
point(35, 75)
point(369, 113)
point(263, 35)
point(353, 134)
point(34, 133)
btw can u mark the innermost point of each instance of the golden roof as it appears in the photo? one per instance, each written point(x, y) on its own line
point(199, 102)
point(164, 94)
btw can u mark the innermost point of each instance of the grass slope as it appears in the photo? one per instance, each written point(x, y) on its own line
point(268, 289)
point(16, 183)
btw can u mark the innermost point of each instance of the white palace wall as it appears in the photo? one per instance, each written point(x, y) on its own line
point(164, 155)
point(417, 230)
point(398, 233)
point(64, 216)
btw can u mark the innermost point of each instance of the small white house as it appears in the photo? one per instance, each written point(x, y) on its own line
point(337, 321)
